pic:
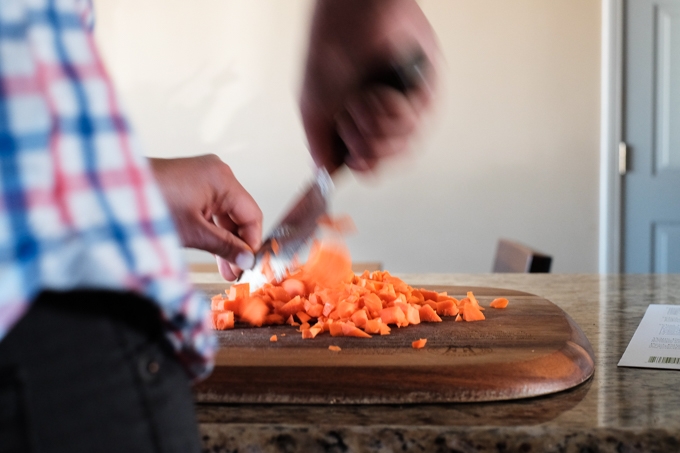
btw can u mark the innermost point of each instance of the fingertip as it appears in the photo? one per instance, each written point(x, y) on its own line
point(225, 270)
point(245, 260)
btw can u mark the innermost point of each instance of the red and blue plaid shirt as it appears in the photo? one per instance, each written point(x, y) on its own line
point(78, 204)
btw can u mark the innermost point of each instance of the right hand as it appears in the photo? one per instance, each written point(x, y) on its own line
point(212, 210)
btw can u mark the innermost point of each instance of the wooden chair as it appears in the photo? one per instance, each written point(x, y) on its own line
point(512, 256)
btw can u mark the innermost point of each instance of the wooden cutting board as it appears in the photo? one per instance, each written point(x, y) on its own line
point(530, 348)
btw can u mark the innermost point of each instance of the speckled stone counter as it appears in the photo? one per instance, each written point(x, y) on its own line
point(618, 410)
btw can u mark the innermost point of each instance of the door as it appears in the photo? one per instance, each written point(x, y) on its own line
point(651, 129)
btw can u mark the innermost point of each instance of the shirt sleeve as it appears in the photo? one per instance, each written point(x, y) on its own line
point(79, 207)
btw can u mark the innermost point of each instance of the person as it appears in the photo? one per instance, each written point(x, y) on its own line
point(100, 329)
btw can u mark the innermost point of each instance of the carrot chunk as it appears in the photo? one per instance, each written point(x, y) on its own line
point(334, 348)
point(324, 295)
point(427, 314)
point(419, 344)
point(500, 302)
point(273, 338)
point(254, 311)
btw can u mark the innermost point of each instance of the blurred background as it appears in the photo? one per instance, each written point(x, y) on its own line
point(511, 151)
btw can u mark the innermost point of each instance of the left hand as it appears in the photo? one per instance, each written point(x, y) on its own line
point(211, 209)
point(349, 39)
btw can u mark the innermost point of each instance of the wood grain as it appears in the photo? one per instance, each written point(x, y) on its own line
point(529, 349)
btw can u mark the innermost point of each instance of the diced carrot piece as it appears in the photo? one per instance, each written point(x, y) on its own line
point(223, 320)
point(373, 326)
point(427, 294)
point(344, 310)
point(472, 313)
point(350, 330)
point(274, 318)
point(275, 246)
point(447, 308)
point(291, 321)
point(500, 302)
point(427, 314)
point(412, 315)
point(335, 329)
point(384, 329)
point(359, 318)
point(273, 338)
point(315, 310)
point(393, 315)
point(239, 291)
point(328, 266)
point(334, 348)
point(278, 293)
point(373, 304)
point(459, 318)
point(419, 344)
point(473, 300)
point(292, 307)
point(327, 309)
point(387, 293)
point(294, 287)
point(315, 330)
point(302, 316)
point(254, 311)
point(431, 303)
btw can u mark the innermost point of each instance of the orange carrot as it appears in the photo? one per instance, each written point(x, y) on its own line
point(223, 320)
point(273, 338)
point(323, 295)
point(254, 311)
point(419, 344)
point(500, 302)
point(334, 348)
point(275, 246)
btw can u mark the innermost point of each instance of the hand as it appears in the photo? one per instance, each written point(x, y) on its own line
point(349, 39)
point(212, 211)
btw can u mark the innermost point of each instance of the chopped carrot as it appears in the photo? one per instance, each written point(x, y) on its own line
point(273, 338)
point(294, 287)
point(292, 307)
point(254, 311)
point(473, 300)
point(334, 348)
point(393, 315)
point(500, 302)
point(275, 246)
point(239, 291)
point(427, 314)
point(324, 295)
point(419, 344)
point(223, 320)
point(472, 313)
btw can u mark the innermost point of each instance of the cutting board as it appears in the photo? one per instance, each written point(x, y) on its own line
point(528, 349)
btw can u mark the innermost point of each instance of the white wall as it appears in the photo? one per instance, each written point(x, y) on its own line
point(512, 151)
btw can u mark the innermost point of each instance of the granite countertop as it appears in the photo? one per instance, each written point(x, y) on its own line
point(618, 410)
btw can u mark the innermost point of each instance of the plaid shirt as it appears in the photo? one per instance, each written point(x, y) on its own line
point(78, 204)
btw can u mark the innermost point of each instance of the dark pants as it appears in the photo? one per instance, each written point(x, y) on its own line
point(89, 371)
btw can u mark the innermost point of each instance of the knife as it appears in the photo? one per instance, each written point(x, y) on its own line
point(299, 225)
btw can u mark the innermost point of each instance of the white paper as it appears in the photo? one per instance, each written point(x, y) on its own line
point(656, 343)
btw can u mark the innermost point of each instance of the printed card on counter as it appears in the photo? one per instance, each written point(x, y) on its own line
point(656, 342)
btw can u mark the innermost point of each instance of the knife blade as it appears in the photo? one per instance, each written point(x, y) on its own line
point(292, 233)
point(299, 225)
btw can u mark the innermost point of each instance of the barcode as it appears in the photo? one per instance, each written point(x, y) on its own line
point(656, 359)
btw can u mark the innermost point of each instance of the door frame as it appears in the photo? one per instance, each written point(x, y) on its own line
point(611, 134)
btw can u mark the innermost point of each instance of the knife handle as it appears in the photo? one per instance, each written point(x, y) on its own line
point(404, 75)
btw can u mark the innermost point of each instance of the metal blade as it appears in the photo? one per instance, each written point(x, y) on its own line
point(293, 233)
